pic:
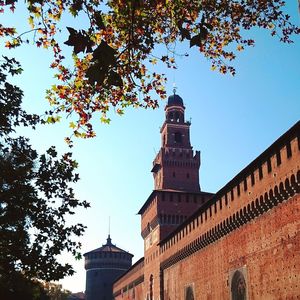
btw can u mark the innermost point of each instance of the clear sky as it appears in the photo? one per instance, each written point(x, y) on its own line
point(233, 120)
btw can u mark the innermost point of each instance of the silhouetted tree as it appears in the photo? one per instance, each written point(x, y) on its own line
point(36, 196)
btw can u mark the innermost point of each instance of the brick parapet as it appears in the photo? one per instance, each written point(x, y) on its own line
point(256, 198)
point(267, 248)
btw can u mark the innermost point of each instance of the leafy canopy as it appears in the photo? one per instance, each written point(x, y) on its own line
point(36, 197)
point(112, 52)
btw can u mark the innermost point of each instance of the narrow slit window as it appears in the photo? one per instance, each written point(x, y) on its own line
point(260, 172)
point(269, 165)
point(278, 158)
point(288, 150)
point(252, 178)
point(245, 184)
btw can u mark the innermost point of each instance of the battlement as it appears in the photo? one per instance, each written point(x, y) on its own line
point(272, 178)
point(169, 153)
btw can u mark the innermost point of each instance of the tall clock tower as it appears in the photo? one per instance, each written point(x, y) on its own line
point(176, 166)
point(176, 194)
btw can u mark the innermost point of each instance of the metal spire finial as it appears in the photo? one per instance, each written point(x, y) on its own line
point(108, 238)
point(109, 226)
point(174, 88)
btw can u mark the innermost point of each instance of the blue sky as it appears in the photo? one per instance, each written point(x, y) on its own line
point(233, 120)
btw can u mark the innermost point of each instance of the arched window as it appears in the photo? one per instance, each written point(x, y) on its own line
point(177, 116)
point(151, 287)
point(189, 293)
point(238, 286)
point(178, 137)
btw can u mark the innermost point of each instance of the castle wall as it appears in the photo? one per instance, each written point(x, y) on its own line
point(246, 239)
point(131, 284)
point(240, 198)
point(253, 227)
point(267, 249)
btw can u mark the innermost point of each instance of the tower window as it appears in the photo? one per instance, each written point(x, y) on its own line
point(174, 175)
point(178, 137)
point(188, 175)
point(179, 198)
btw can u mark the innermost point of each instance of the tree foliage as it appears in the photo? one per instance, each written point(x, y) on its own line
point(36, 197)
point(112, 54)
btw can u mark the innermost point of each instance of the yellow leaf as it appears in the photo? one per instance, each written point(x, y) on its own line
point(153, 61)
point(72, 125)
point(30, 21)
point(240, 48)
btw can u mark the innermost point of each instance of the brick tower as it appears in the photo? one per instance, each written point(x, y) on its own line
point(176, 194)
point(176, 166)
point(103, 266)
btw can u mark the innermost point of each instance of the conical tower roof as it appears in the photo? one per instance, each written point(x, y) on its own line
point(108, 247)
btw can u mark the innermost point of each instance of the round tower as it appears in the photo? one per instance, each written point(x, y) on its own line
point(103, 266)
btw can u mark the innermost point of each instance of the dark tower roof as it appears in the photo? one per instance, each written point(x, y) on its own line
point(108, 247)
point(175, 100)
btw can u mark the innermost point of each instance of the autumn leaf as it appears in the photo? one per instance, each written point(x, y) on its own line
point(196, 41)
point(104, 54)
point(185, 34)
point(240, 48)
point(113, 45)
point(72, 125)
point(99, 20)
point(115, 79)
point(96, 74)
point(79, 40)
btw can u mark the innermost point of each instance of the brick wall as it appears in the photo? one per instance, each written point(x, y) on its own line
point(267, 247)
point(248, 233)
point(130, 285)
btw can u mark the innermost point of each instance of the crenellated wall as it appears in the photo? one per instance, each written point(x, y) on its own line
point(251, 224)
point(268, 180)
point(245, 239)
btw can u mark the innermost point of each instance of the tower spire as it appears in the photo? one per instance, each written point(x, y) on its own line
point(108, 238)
point(109, 226)
point(174, 88)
